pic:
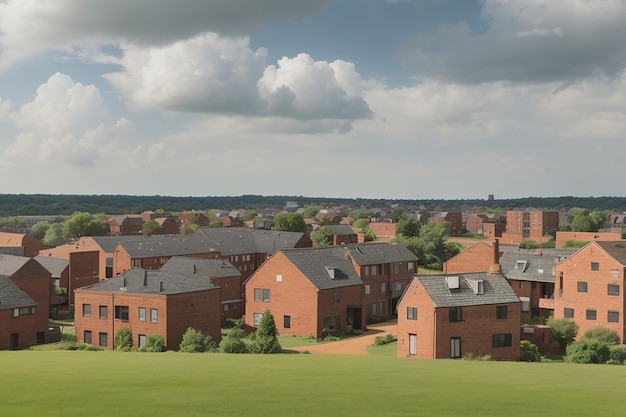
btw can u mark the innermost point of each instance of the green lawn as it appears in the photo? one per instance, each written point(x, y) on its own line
point(80, 383)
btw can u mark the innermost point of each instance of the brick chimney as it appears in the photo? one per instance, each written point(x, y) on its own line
point(494, 266)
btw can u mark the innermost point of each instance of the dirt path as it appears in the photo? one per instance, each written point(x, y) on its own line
point(354, 345)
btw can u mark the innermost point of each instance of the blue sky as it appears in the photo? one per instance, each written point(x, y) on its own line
point(335, 98)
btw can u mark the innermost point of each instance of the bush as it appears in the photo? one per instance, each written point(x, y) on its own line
point(383, 340)
point(602, 334)
point(123, 339)
point(562, 331)
point(154, 343)
point(476, 357)
point(528, 244)
point(534, 320)
point(195, 342)
point(529, 352)
point(265, 339)
point(617, 353)
point(233, 342)
point(62, 291)
point(349, 330)
point(587, 351)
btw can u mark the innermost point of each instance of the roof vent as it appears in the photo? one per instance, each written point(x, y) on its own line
point(453, 282)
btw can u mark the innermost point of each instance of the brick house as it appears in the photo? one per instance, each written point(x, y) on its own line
point(193, 217)
point(169, 225)
point(384, 231)
point(533, 225)
point(454, 218)
point(449, 316)
point(220, 272)
point(24, 305)
point(343, 234)
point(28, 244)
point(59, 270)
point(125, 225)
point(311, 291)
point(147, 302)
point(488, 225)
point(590, 287)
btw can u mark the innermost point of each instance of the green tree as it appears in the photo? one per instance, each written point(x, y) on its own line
point(587, 351)
point(82, 224)
point(361, 223)
point(407, 226)
point(602, 334)
point(265, 338)
point(290, 222)
point(323, 236)
point(38, 231)
point(582, 222)
point(562, 331)
point(310, 211)
point(216, 224)
point(194, 342)
point(151, 227)
point(368, 234)
point(528, 244)
point(233, 342)
point(54, 235)
point(357, 214)
point(529, 352)
point(123, 339)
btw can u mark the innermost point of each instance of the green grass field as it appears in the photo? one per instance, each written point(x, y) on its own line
point(81, 383)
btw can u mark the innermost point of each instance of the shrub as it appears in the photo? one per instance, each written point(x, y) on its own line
point(330, 338)
point(62, 291)
point(233, 342)
point(476, 357)
point(529, 352)
point(265, 339)
point(528, 244)
point(154, 343)
point(602, 334)
point(123, 339)
point(587, 351)
point(194, 342)
point(349, 330)
point(562, 331)
point(534, 320)
point(383, 340)
point(617, 353)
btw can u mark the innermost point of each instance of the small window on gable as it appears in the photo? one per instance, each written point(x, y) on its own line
point(595, 266)
point(279, 278)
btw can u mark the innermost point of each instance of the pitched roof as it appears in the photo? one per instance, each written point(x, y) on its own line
point(211, 268)
point(496, 290)
point(140, 281)
point(10, 264)
point(378, 253)
point(243, 240)
point(152, 246)
point(341, 229)
point(617, 249)
point(109, 243)
point(55, 266)
point(531, 264)
point(12, 296)
point(325, 267)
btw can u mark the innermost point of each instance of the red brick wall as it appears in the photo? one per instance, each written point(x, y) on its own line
point(25, 326)
point(34, 280)
point(200, 310)
point(562, 237)
point(83, 270)
point(476, 258)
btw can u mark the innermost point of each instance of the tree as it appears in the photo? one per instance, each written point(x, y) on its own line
point(587, 351)
point(233, 342)
point(194, 341)
point(407, 226)
point(357, 214)
point(323, 236)
point(38, 231)
point(290, 222)
point(528, 244)
point(82, 224)
point(529, 352)
point(361, 223)
point(310, 211)
point(151, 227)
point(265, 339)
point(154, 343)
point(123, 339)
point(562, 331)
point(216, 224)
point(54, 235)
point(368, 234)
point(582, 222)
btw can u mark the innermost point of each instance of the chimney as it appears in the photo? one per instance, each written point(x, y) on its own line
point(145, 278)
point(494, 266)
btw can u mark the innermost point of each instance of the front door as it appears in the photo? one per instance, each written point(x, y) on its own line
point(354, 318)
point(14, 341)
point(412, 344)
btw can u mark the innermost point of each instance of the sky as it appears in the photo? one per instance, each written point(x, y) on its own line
point(392, 99)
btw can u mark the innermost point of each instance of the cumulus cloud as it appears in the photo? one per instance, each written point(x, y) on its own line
point(526, 41)
point(32, 25)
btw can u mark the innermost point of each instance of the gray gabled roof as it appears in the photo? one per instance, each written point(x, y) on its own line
point(379, 253)
point(243, 240)
point(167, 246)
point(326, 267)
point(12, 296)
point(10, 264)
point(55, 266)
point(534, 265)
point(617, 250)
point(211, 268)
point(496, 290)
point(140, 281)
point(341, 229)
point(109, 243)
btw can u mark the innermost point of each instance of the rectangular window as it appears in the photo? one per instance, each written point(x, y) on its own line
point(568, 313)
point(397, 289)
point(612, 316)
point(455, 347)
point(121, 312)
point(595, 266)
point(279, 278)
point(590, 314)
point(103, 339)
point(337, 296)
point(612, 289)
point(366, 271)
point(331, 322)
point(103, 312)
point(257, 294)
point(581, 286)
point(86, 310)
point(411, 266)
point(383, 287)
point(154, 315)
point(411, 313)
point(142, 314)
point(456, 314)
point(501, 340)
point(412, 344)
point(266, 295)
point(257, 319)
point(87, 337)
point(502, 312)
point(367, 288)
point(521, 284)
point(287, 322)
point(16, 312)
point(141, 341)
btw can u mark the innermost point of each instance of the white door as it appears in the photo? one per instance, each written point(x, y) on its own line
point(412, 344)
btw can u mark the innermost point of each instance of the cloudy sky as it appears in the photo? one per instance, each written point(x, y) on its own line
point(326, 98)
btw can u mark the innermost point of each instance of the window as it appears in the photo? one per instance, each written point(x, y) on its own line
point(103, 339)
point(262, 294)
point(501, 340)
point(455, 347)
point(331, 322)
point(287, 322)
point(456, 314)
point(136, 263)
point(412, 344)
point(595, 266)
point(383, 287)
point(612, 289)
point(397, 289)
point(225, 307)
point(502, 312)
point(86, 310)
point(612, 316)
point(411, 313)
point(525, 303)
point(257, 294)
point(87, 336)
point(266, 295)
point(581, 286)
point(568, 313)
point(103, 312)
point(367, 288)
point(121, 312)
point(154, 315)
point(257, 319)
point(521, 284)
point(279, 277)
point(141, 342)
point(142, 314)
point(337, 296)
point(366, 271)
point(590, 314)
point(411, 266)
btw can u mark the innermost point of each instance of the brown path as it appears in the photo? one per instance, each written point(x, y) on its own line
point(356, 345)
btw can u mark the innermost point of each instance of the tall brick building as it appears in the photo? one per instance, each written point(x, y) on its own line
point(532, 225)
